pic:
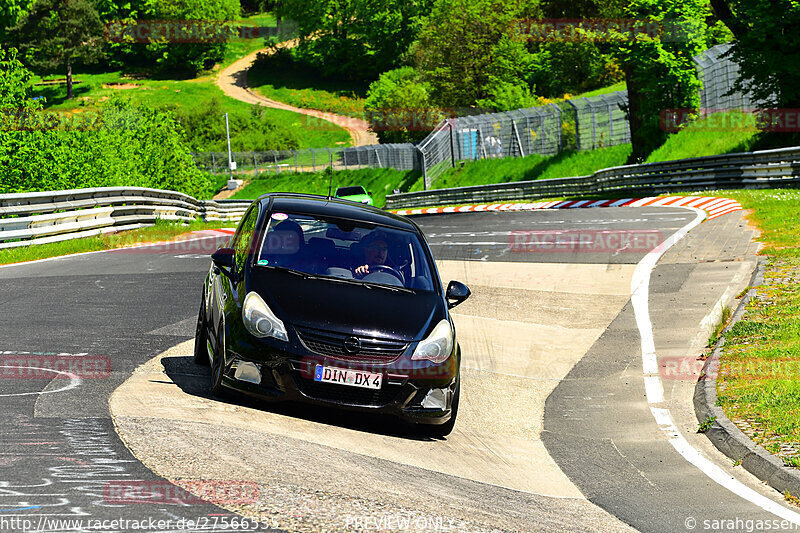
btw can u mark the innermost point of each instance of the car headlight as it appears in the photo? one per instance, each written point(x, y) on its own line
point(438, 346)
point(260, 320)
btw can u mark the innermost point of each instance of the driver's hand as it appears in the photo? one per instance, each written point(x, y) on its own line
point(363, 270)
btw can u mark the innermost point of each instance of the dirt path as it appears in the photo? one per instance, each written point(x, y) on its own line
point(233, 82)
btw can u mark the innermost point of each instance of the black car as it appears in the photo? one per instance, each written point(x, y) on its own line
point(323, 301)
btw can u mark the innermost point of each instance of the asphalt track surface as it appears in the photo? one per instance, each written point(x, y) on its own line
point(60, 452)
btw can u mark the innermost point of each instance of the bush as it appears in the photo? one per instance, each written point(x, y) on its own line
point(251, 128)
point(118, 146)
point(398, 107)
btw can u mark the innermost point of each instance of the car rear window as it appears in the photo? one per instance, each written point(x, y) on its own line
point(350, 191)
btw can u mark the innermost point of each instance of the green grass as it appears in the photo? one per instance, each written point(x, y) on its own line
point(719, 133)
point(759, 378)
point(621, 86)
point(190, 95)
point(281, 78)
point(377, 181)
point(564, 164)
point(162, 230)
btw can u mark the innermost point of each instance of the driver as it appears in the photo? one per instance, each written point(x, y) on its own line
point(375, 249)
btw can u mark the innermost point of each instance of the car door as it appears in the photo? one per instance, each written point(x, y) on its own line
point(226, 290)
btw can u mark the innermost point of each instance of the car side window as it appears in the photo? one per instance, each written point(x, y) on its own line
point(241, 245)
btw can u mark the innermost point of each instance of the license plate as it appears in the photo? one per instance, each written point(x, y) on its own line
point(345, 376)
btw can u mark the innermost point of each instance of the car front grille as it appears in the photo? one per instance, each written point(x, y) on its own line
point(344, 394)
point(331, 343)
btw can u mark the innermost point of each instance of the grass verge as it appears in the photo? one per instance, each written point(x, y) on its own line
point(161, 231)
point(759, 382)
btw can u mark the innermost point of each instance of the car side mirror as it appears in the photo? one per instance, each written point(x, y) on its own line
point(457, 292)
point(224, 260)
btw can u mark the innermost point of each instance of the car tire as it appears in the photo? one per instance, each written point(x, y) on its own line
point(218, 366)
point(200, 338)
point(443, 430)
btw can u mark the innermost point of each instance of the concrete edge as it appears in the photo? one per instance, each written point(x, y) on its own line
point(723, 433)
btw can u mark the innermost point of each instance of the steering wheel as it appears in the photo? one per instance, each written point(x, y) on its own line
point(388, 269)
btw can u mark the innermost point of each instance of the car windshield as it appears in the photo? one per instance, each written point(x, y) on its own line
point(350, 191)
point(345, 249)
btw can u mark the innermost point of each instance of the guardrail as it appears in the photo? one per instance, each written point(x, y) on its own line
point(52, 216)
point(762, 169)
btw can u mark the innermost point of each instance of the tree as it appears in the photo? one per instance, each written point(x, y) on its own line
point(659, 70)
point(355, 39)
point(468, 47)
point(766, 47)
point(10, 12)
point(59, 33)
point(398, 107)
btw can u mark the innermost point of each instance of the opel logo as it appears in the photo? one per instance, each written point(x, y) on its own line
point(352, 344)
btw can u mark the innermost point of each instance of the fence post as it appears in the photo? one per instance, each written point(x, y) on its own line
point(558, 127)
point(295, 161)
point(424, 170)
point(330, 158)
point(213, 164)
point(519, 141)
point(451, 122)
point(255, 164)
point(344, 157)
point(610, 125)
point(275, 158)
point(313, 160)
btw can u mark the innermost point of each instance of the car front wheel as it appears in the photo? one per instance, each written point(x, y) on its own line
point(201, 338)
point(218, 365)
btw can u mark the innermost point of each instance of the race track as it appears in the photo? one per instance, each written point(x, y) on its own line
point(555, 432)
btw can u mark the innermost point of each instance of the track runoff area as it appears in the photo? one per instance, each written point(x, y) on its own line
point(563, 424)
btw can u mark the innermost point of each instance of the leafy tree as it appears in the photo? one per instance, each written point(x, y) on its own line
point(59, 33)
point(356, 39)
point(659, 72)
point(766, 48)
point(467, 47)
point(183, 58)
point(14, 83)
point(398, 107)
point(10, 12)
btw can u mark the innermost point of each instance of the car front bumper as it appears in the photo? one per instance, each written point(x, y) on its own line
point(288, 378)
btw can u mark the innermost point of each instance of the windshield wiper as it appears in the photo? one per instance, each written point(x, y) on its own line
point(395, 288)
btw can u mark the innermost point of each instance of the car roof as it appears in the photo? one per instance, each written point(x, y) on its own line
point(313, 204)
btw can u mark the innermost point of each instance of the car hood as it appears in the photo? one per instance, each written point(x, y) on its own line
point(348, 307)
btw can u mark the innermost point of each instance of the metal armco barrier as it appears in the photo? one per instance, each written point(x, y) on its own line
point(768, 168)
point(52, 216)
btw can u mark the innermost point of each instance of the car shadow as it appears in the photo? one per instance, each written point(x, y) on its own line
point(194, 379)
